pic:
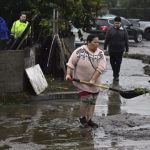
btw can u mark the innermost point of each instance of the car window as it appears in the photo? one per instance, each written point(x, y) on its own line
point(125, 22)
point(134, 22)
point(101, 22)
point(111, 21)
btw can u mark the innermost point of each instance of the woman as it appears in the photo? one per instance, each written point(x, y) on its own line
point(87, 63)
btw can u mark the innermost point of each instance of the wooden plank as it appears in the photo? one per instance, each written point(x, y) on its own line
point(37, 79)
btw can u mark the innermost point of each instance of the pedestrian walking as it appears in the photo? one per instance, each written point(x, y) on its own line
point(87, 63)
point(117, 41)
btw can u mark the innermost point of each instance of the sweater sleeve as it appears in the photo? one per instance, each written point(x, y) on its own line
point(73, 60)
point(102, 64)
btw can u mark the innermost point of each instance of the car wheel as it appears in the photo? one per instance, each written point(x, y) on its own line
point(147, 34)
point(138, 38)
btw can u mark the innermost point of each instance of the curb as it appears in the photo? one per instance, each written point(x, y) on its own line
point(56, 95)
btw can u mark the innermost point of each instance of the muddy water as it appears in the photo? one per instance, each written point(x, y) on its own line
point(54, 125)
point(124, 124)
point(47, 125)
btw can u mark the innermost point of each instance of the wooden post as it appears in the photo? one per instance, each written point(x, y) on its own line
point(55, 21)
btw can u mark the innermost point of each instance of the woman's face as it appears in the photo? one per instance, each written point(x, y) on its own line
point(94, 44)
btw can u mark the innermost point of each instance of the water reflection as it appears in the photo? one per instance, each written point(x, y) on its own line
point(46, 126)
point(114, 100)
point(87, 136)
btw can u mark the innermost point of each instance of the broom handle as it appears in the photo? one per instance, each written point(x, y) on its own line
point(86, 82)
point(98, 85)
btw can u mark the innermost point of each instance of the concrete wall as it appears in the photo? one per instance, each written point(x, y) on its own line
point(12, 68)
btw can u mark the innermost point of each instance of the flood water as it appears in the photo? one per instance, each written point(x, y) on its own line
point(124, 124)
point(54, 125)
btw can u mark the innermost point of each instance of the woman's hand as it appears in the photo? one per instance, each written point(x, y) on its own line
point(91, 82)
point(68, 77)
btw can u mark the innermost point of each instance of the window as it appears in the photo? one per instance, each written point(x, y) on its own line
point(125, 22)
point(111, 21)
point(101, 22)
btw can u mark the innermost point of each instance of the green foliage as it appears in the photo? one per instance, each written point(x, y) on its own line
point(142, 90)
point(79, 11)
point(46, 24)
point(10, 10)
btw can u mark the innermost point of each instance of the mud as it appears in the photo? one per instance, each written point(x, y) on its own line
point(147, 70)
point(54, 125)
point(129, 126)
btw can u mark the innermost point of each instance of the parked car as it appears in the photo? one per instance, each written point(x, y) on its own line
point(145, 27)
point(134, 22)
point(103, 23)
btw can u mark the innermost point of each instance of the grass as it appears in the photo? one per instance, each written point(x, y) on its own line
point(24, 97)
point(59, 85)
point(144, 58)
point(142, 90)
